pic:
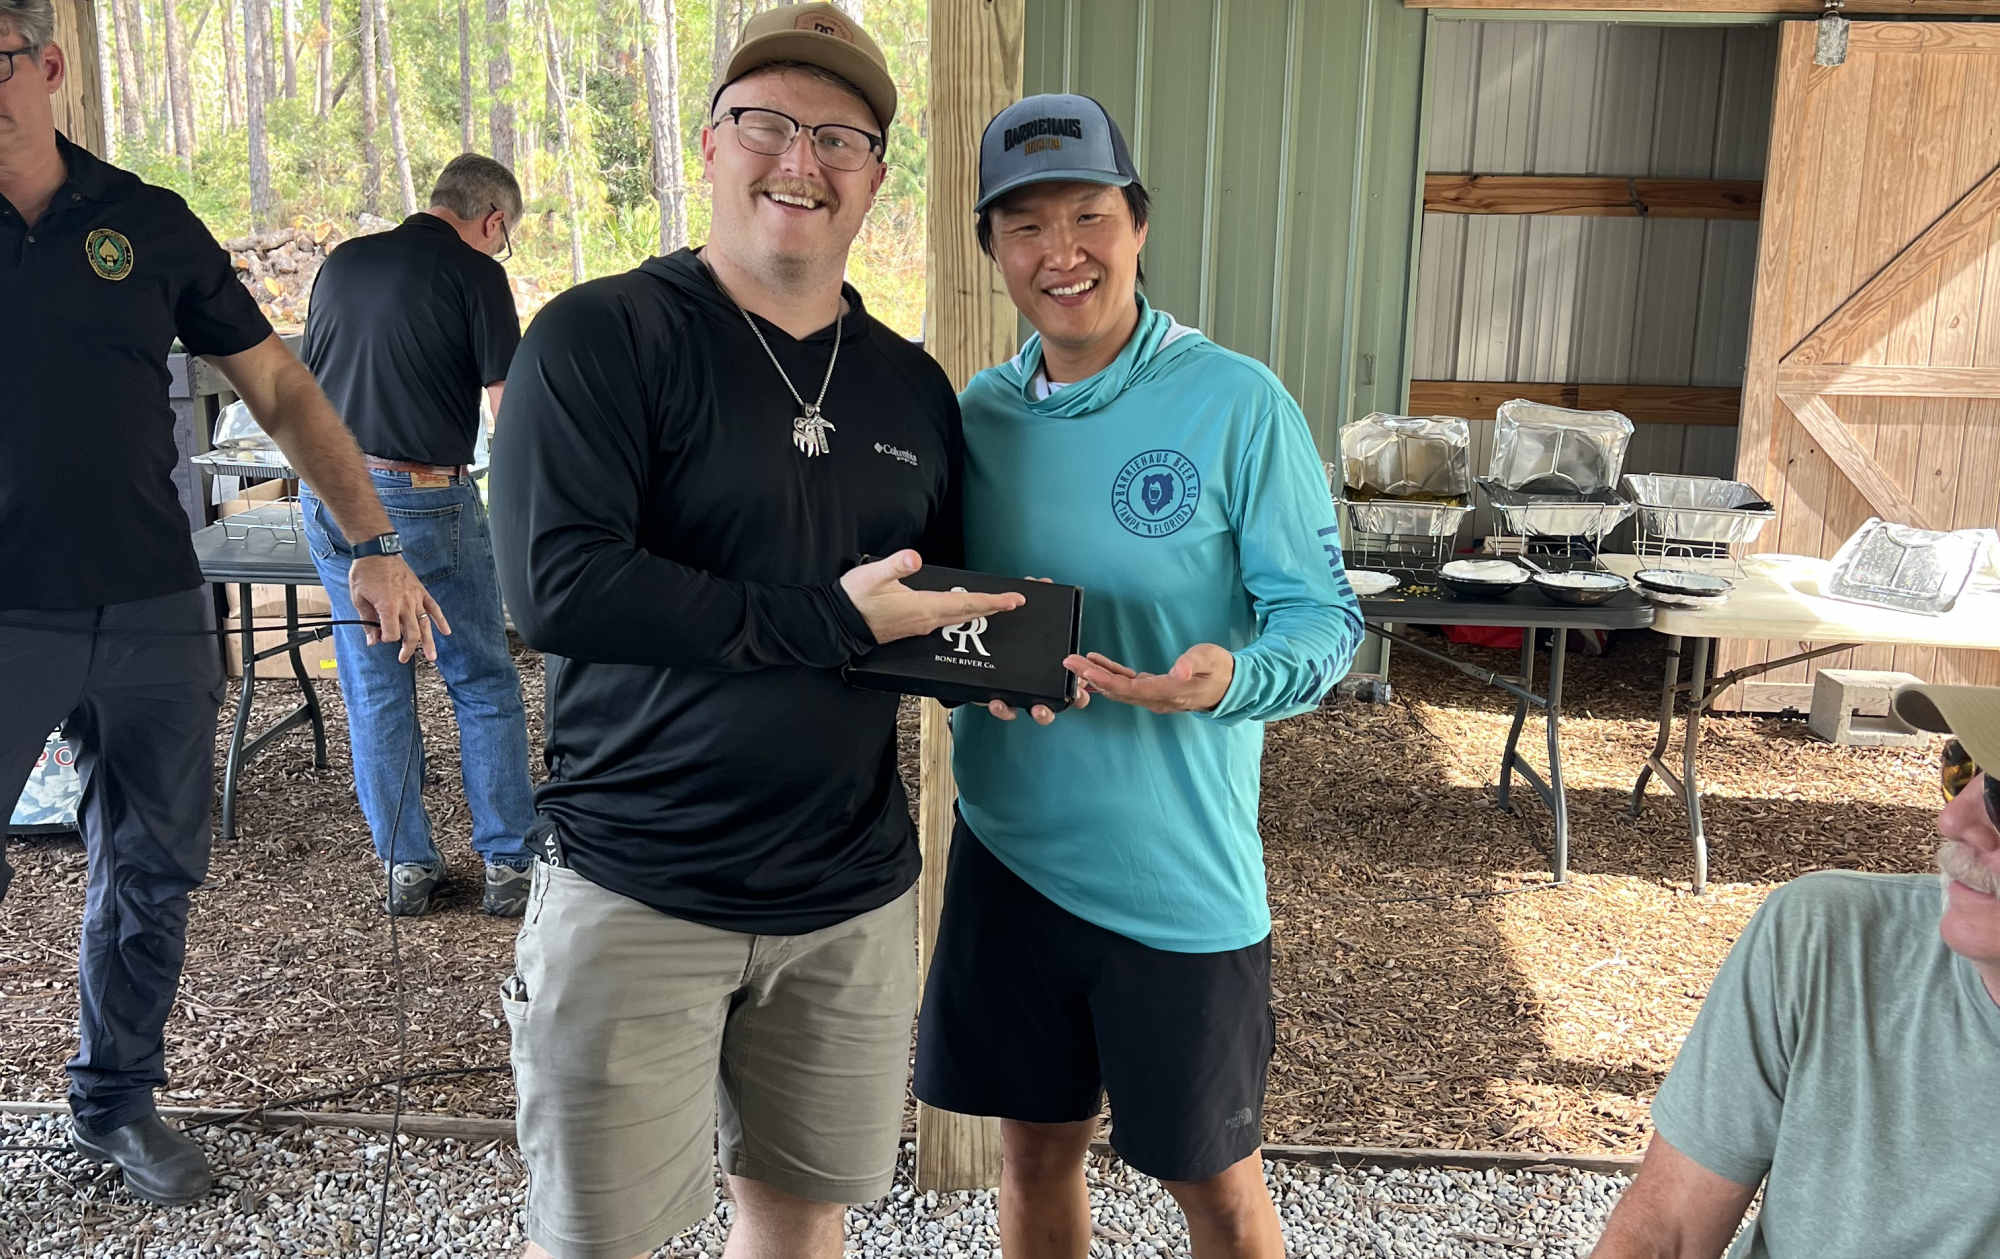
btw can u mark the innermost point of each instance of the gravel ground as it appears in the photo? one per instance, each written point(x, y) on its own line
point(314, 1193)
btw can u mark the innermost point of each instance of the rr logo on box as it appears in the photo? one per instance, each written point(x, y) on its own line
point(966, 632)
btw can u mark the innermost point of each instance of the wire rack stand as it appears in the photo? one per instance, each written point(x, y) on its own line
point(281, 517)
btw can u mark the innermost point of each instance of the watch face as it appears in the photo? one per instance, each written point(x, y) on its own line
point(391, 544)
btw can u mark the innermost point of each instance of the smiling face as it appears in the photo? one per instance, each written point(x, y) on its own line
point(788, 218)
point(1070, 255)
point(1969, 860)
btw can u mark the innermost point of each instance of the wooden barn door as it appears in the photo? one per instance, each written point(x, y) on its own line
point(1873, 381)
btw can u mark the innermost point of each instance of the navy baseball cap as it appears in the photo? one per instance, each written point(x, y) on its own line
point(1043, 139)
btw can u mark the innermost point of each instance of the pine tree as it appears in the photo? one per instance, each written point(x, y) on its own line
point(371, 152)
point(263, 204)
point(662, 64)
point(385, 48)
point(499, 75)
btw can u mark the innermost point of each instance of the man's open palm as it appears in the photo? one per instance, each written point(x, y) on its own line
point(1196, 683)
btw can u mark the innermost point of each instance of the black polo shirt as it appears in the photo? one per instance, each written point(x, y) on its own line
point(91, 299)
point(406, 327)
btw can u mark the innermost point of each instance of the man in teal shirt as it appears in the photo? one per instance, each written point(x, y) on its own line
point(1847, 1057)
point(1105, 926)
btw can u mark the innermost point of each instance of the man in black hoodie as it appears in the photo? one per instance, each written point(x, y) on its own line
point(698, 455)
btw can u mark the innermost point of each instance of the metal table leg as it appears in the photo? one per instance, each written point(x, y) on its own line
point(232, 765)
point(1690, 788)
point(1669, 689)
point(311, 702)
point(1558, 802)
point(1511, 755)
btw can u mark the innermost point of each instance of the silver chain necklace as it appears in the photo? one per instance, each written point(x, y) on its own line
point(809, 430)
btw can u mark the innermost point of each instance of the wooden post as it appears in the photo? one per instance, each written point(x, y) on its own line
point(975, 71)
point(80, 104)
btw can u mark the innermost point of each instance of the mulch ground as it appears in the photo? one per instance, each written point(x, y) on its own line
point(1433, 989)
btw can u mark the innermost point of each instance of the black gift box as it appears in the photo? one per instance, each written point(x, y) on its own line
point(1012, 656)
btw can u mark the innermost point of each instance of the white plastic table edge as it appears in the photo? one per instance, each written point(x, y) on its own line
point(1774, 599)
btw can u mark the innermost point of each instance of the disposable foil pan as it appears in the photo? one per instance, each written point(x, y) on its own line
point(1404, 518)
point(1556, 515)
point(246, 463)
point(1698, 508)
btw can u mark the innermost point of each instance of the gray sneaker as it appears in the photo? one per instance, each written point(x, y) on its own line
point(411, 887)
point(506, 891)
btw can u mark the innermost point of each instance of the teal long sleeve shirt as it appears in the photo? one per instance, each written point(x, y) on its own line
point(1181, 489)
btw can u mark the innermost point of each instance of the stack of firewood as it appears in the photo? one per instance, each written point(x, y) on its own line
point(278, 266)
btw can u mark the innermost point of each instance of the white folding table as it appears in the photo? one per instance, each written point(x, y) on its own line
point(1776, 597)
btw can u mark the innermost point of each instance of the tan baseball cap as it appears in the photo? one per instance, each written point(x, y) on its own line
point(818, 35)
point(1971, 714)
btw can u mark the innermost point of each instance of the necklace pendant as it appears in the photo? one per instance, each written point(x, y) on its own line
point(809, 433)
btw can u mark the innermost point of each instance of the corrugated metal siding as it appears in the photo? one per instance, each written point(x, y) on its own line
point(1279, 140)
point(1603, 300)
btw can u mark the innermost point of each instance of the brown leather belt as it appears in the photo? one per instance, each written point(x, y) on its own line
point(404, 465)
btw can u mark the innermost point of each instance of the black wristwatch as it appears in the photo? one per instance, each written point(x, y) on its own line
point(380, 544)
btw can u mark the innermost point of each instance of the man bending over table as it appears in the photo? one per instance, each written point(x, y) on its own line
point(1847, 1058)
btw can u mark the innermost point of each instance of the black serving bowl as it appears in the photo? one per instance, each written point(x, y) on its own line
point(1580, 596)
point(1475, 588)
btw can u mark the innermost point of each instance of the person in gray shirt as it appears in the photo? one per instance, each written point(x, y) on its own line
point(1847, 1058)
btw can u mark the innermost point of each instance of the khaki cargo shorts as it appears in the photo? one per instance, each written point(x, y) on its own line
point(635, 1032)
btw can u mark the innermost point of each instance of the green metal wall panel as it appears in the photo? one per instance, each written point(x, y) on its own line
point(1281, 142)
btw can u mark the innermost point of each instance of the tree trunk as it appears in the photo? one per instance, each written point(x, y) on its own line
point(662, 62)
point(107, 97)
point(142, 61)
point(371, 152)
point(386, 49)
point(267, 48)
point(565, 142)
point(499, 74)
point(177, 79)
point(129, 118)
point(466, 139)
point(291, 50)
point(263, 205)
point(323, 49)
point(728, 22)
point(851, 8)
point(232, 90)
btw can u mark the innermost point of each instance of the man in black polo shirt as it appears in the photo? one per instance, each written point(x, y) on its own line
point(105, 627)
point(406, 328)
point(696, 455)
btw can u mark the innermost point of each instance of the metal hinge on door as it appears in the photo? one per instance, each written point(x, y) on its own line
point(1831, 46)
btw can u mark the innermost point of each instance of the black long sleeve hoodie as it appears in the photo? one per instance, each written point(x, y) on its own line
point(660, 537)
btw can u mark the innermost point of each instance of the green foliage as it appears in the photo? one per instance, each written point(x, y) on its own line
point(317, 167)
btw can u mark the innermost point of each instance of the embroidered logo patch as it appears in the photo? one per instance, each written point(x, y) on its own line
point(110, 254)
point(1156, 493)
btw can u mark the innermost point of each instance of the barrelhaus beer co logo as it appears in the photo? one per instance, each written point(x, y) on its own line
point(110, 254)
point(1041, 133)
point(1156, 493)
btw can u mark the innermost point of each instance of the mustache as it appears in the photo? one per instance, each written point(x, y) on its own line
point(792, 187)
point(1958, 862)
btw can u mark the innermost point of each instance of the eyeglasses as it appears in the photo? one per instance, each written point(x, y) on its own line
point(1956, 772)
point(506, 237)
point(770, 133)
point(7, 56)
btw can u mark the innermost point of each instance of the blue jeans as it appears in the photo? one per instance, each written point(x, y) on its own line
point(445, 542)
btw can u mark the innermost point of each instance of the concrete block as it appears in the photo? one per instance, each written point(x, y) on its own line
point(1851, 707)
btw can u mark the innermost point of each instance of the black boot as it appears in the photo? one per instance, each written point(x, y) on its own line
point(161, 1164)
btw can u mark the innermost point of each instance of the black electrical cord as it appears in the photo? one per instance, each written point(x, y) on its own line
point(396, 962)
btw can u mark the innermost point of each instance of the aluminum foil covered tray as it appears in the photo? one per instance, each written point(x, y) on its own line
point(1406, 517)
point(1698, 508)
point(1589, 515)
point(1407, 456)
point(1542, 449)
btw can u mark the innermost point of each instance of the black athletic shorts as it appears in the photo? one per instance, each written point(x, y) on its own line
point(1032, 1013)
